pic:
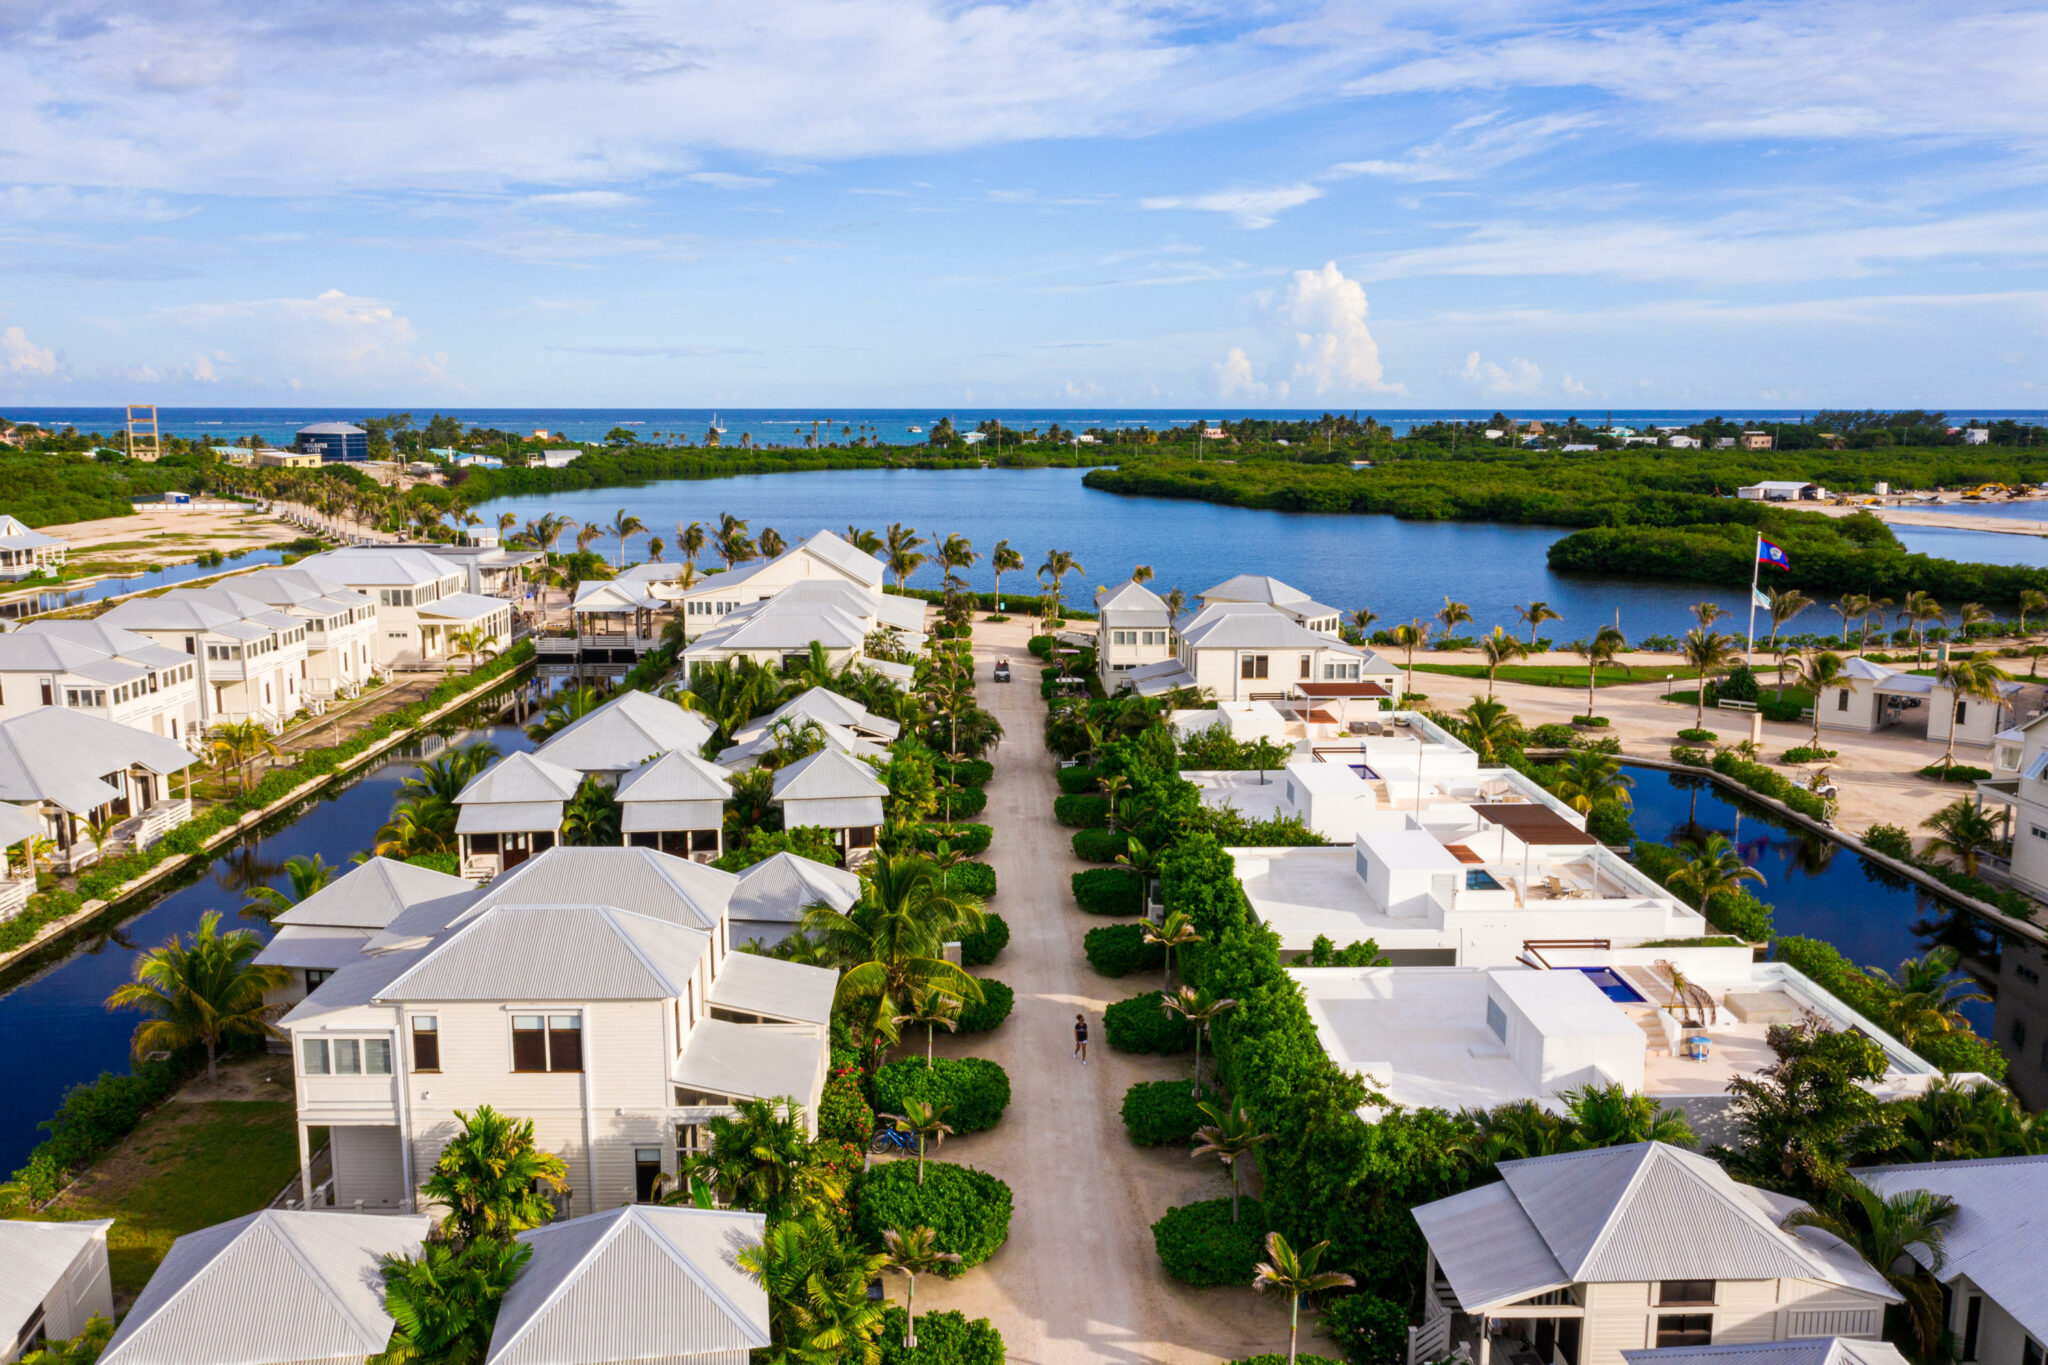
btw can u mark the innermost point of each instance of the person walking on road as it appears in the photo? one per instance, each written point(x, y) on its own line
point(1081, 1038)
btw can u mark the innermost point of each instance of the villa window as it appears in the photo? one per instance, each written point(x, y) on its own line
point(1685, 1293)
point(1252, 666)
point(1842, 700)
point(316, 977)
point(426, 1043)
point(1685, 1329)
point(346, 1056)
point(1307, 667)
point(550, 1042)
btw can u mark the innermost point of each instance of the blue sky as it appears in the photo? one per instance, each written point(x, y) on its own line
point(898, 202)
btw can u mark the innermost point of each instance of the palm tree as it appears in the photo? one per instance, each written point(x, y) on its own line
point(420, 824)
point(1058, 564)
point(1142, 574)
point(237, 742)
point(1817, 672)
point(1143, 861)
point(1708, 612)
point(1929, 996)
point(1453, 614)
point(471, 643)
point(1177, 930)
point(1963, 830)
point(1885, 1231)
point(1919, 608)
point(1199, 1008)
point(1609, 1116)
point(903, 543)
point(911, 1254)
point(1228, 1136)
point(1361, 620)
point(1410, 638)
point(591, 818)
point(1498, 648)
point(1972, 679)
point(928, 1121)
point(489, 1178)
point(893, 938)
point(1605, 646)
point(817, 1283)
point(954, 553)
point(656, 548)
point(444, 1303)
point(1587, 779)
point(1712, 869)
point(761, 1159)
point(1852, 606)
point(1489, 726)
point(308, 875)
point(934, 1009)
point(772, 543)
point(1293, 1273)
point(2031, 599)
point(1785, 604)
point(1706, 651)
point(690, 541)
point(867, 542)
point(1533, 616)
point(1003, 559)
point(206, 992)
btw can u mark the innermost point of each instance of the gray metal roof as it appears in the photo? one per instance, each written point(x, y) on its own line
point(827, 707)
point(905, 613)
point(389, 566)
point(524, 778)
point(1133, 603)
point(641, 880)
point(779, 625)
point(613, 595)
point(753, 984)
point(318, 946)
point(654, 817)
point(1250, 625)
point(371, 895)
point(463, 606)
point(555, 952)
point(17, 823)
point(37, 1256)
point(782, 886)
point(753, 1061)
point(828, 775)
point(757, 742)
point(98, 635)
point(1798, 1351)
point(272, 1286)
point(351, 987)
point(1254, 587)
point(2000, 1235)
point(624, 733)
point(55, 754)
point(509, 817)
point(1646, 1211)
point(638, 1283)
point(171, 611)
point(43, 651)
point(842, 555)
point(674, 776)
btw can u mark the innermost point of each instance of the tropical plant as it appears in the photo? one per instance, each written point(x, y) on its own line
point(444, 1302)
point(935, 1010)
point(1176, 930)
point(1452, 615)
point(1200, 1009)
point(1975, 678)
point(1963, 830)
point(1489, 726)
point(893, 938)
point(2030, 600)
point(1410, 638)
point(592, 817)
point(1708, 612)
point(772, 544)
point(1917, 610)
point(1534, 615)
point(912, 1253)
point(239, 741)
point(1817, 672)
point(903, 543)
point(1598, 652)
point(690, 542)
point(1610, 1116)
point(1295, 1275)
point(420, 824)
point(1058, 564)
point(1586, 779)
point(1928, 995)
point(928, 1121)
point(819, 1312)
point(1853, 606)
point(1785, 603)
point(760, 1158)
point(1230, 1135)
point(471, 644)
point(490, 1176)
point(1496, 648)
point(1711, 869)
point(206, 991)
point(1003, 559)
point(1706, 651)
point(568, 706)
point(307, 876)
point(1886, 1231)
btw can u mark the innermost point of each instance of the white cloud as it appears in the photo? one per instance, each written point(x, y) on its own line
point(726, 180)
point(344, 339)
point(1472, 148)
point(203, 371)
point(1327, 312)
point(1518, 376)
point(23, 356)
point(1235, 379)
point(1253, 208)
point(1574, 387)
point(584, 199)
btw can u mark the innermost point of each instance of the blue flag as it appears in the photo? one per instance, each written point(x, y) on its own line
point(1767, 553)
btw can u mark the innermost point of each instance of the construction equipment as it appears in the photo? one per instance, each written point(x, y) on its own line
point(142, 434)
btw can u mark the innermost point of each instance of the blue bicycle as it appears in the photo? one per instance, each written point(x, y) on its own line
point(891, 1139)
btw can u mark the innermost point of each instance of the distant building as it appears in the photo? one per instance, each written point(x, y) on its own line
point(1680, 441)
point(1976, 436)
point(1782, 490)
point(1756, 440)
point(1578, 446)
point(24, 551)
point(288, 459)
point(335, 441)
point(558, 459)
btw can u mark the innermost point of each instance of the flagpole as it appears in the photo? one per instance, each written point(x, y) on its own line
point(1756, 564)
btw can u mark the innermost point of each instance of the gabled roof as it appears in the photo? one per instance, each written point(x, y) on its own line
point(638, 1283)
point(555, 952)
point(1798, 1351)
point(298, 585)
point(319, 946)
point(1646, 1211)
point(641, 880)
point(272, 1286)
point(827, 775)
point(624, 733)
point(775, 624)
point(827, 707)
point(37, 1256)
point(613, 595)
point(171, 611)
point(372, 895)
point(521, 777)
point(905, 613)
point(108, 639)
point(18, 535)
point(842, 555)
point(462, 606)
point(1132, 598)
point(1252, 625)
point(2000, 1236)
point(389, 566)
point(780, 887)
point(1254, 587)
point(56, 754)
point(675, 776)
point(754, 743)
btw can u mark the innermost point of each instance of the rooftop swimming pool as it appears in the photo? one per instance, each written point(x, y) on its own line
point(1479, 879)
point(1611, 985)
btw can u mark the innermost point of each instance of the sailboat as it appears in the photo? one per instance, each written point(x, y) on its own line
point(714, 425)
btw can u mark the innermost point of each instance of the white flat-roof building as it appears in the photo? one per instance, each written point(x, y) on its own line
point(1780, 490)
point(57, 1279)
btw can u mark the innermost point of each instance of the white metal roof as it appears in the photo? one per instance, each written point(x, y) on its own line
point(1254, 625)
point(828, 775)
point(613, 595)
point(1254, 587)
point(555, 952)
point(1133, 600)
point(641, 880)
point(674, 776)
point(371, 895)
point(624, 733)
point(826, 707)
point(782, 886)
point(752, 1061)
point(639, 1283)
point(37, 1256)
point(1409, 850)
point(838, 738)
point(272, 1286)
point(58, 755)
point(1798, 1351)
point(318, 946)
point(753, 984)
point(841, 555)
point(2000, 1235)
point(380, 566)
point(462, 606)
point(521, 777)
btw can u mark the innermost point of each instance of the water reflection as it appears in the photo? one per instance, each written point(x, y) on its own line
point(55, 599)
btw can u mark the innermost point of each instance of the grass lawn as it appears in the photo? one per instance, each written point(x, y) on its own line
point(1560, 675)
point(187, 1167)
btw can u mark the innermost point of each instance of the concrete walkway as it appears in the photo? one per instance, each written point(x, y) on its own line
point(1078, 1280)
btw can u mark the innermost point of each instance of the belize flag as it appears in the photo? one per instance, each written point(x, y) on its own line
point(1767, 553)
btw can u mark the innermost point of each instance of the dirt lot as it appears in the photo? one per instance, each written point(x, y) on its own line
point(168, 537)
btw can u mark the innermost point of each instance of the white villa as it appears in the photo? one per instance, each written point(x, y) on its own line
point(102, 670)
point(675, 803)
point(1576, 1258)
point(1993, 1286)
point(24, 551)
point(624, 733)
point(779, 631)
point(824, 557)
point(512, 811)
point(1873, 697)
point(1252, 638)
point(1134, 627)
point(57, 1278)
point(64, 767)
point(422, 599)
point(2020, 783)
point(593, 990)
point(252, 657)
point(341, 627)
point(837, 793)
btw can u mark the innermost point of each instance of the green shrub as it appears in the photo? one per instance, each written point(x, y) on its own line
point(976, 879)
point(1891, 840)
point(1079, 780)
point(1120, 949)
point(960, 803)
point(984, 946)
point(968, 772)
point(1955, 772)
point(1101, 845)
point(974, 1090)
point(843, 1111)
point(1692, 735)
point(1552, 736)
point(947, 1338)
point(972, 840)
point(1732, 912)
point(1142, 1024)
point(1159, 1113)
point(1739, 685)
point(968, 1209)
point(1691, 757)
point(1591, 722)
point(1609, 823)
point(1108, 891)
point(1199, 1245)
point(1807, 753)
point(1040, 645)
point(1372, 1330)
point(1324, 952)
point(1771, 783)
point(1787, 711)
point(1821, 963)
point(1081, 812)
point(997, 999)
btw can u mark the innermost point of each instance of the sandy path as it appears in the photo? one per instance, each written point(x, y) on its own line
point(1078, 1280)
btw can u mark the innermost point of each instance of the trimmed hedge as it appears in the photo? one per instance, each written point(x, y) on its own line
point(1077, 781)
point(976, 879)
point(1372, 1330)
point(1954, 772)
point(1101, 845)
point(960, 803)
point(1120, 949)
point(997, 999)
point(1962, 1050)
point(1770, 782)
point(968, 772)
point(1108, 891)
point(980, 949)
point(948, 1338)
point(1142, 1024)
point(968, 1209)
point(974, 1090)
point(972, 840)
point(1199, 1245)
point(1158, 1113)
point(1081, 812)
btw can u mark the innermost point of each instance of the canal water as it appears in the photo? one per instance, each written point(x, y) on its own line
point(54, 1023)
point(57, 598)
point(1399, 569)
